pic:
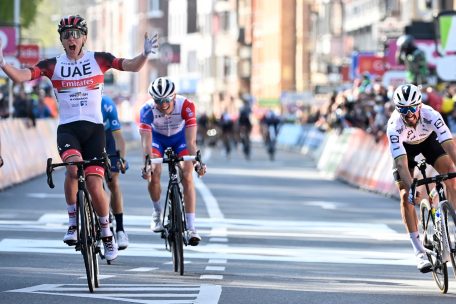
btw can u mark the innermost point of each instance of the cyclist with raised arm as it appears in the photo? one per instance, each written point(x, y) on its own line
point(169, 120)
point(77, 77)
point(415, 128)
point(115, 147)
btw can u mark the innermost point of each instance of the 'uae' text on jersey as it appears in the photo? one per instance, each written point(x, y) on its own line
point(78, 84)
point(399, 132)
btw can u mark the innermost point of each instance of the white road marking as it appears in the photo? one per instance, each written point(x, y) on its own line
point(323, 204)
point(211, 203)
point(100, 276)
point(143, 269)
point(301, 174)
point(46, 195)
point(211, 277)
point(215, 268)
point(145, 294)
point(217, 261)
point(218, 240)
point(303, 254)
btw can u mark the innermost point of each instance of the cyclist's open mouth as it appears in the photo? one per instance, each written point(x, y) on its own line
point(72, 47)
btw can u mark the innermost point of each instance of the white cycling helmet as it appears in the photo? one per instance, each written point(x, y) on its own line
point(161, 88)
point(407, 95)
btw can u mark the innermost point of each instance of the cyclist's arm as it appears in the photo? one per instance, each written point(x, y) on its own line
point(401, 164)
point(120, 142)
point(17, 75)
point(134, 64)
point(450, 148)
point(190, 139)
point(146, 141)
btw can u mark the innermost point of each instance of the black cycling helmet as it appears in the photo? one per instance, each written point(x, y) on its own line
point(404, 42)
point(73, 22)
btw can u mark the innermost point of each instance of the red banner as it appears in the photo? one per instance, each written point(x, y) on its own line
point(372, 64)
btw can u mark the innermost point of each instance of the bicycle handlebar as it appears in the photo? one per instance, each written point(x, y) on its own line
point(96, 161)
point(428, 180)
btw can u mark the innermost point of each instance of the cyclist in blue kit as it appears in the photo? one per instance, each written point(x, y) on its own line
point(116, 149)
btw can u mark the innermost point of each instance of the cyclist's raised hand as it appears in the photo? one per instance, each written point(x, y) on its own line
point(150, 44)
point(200, 168)
point(2, 59)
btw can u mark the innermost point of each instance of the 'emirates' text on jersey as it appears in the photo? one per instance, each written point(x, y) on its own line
point(398, 132)
point(183, 115)
point(78, 84)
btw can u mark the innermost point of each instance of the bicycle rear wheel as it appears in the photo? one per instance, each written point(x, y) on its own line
point(177, 245)
point(449, 217)
point(432, 241)
point(86, 238)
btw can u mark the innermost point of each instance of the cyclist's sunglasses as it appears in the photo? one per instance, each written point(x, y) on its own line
point(161, 101)
point(405, 110)
point(71, 33)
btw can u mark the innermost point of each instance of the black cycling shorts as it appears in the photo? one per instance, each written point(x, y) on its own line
point(430, 148)
point(86, 137)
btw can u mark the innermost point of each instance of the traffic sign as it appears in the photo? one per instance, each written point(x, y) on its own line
point(29, 54)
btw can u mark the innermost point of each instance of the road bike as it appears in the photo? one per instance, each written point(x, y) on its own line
point(438, 226)
point(174, 223)
point(87, 226)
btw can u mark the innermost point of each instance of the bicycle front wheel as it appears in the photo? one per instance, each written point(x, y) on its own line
point(177, 245)
point(86, 238)
point(432, 240)
point(449, 217)
point(95, 246)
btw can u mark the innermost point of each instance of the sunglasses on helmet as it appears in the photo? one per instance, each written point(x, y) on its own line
point(161, 101)
point(71, 33)
point(405, 110)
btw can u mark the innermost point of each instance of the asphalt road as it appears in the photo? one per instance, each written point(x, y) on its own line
point(273, 232)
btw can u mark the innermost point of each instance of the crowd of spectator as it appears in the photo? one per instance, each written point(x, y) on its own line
point(368, 105)
point(31, 104)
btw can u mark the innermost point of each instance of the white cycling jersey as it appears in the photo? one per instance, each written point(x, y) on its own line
point(78, 84)
point(399, 132)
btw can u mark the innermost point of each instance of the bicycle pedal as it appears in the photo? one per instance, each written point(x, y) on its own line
point(70, 243)
point(427, 269)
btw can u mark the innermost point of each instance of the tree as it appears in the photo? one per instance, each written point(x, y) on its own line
point(27, 16)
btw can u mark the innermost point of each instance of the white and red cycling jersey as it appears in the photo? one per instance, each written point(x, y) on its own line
point(182, 116)
point(399, 132)
point(78, 84)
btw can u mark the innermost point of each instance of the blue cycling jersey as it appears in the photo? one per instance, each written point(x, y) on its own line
point(111, 122)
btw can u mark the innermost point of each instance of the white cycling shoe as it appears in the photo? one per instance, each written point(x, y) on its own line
point(422, 263)
point(156, 223)
point(71, 237)
point(122, 240)
point(193, 238)
point(110, 248)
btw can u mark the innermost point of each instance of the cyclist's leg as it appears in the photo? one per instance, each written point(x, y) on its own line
point(94, 147)
point(189, 192)
point(154, 187)
point(69, 147)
